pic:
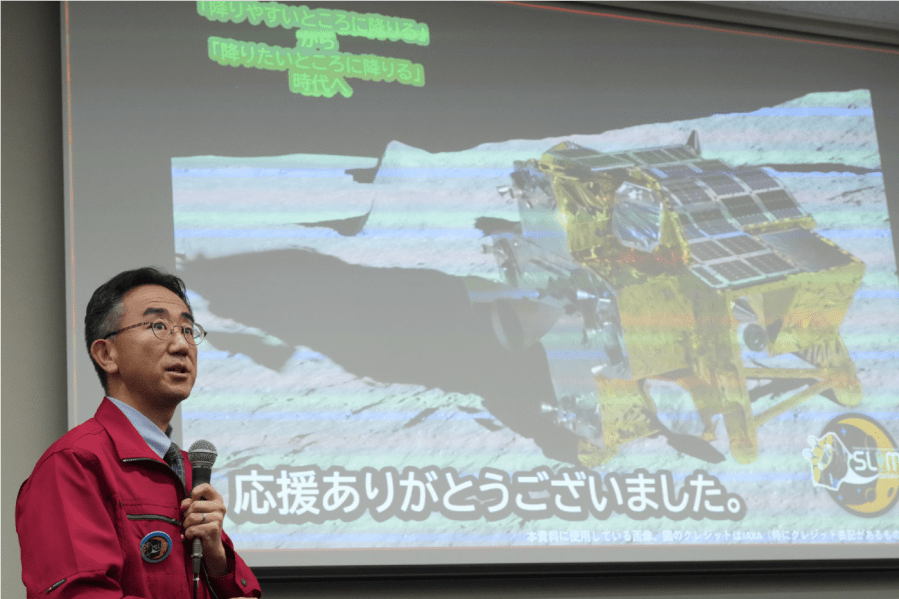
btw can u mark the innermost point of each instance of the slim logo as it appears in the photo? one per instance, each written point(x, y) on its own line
point(857, 461)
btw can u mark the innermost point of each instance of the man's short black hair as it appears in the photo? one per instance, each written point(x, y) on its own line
point(106, 308)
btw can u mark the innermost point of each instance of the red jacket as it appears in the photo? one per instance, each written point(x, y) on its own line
point(95, 497)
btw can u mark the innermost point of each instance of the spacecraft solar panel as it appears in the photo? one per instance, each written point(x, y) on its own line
point(712, 166)
point(806, 249)
point(591, 159)
point(742, 244)
point(707, 251)
point(780, 204)
point(653, 156)
point(737, 260)
point(771, 264)
point(682, 153)
point(756, 179)
point(674, 171)
point(603, 161)
point(721, 184)
point(574, 152)
point(704, 274)
point(735, 271)
point(691, 231)
point(672, 157)
point(745, 210)
point(687, 192)
point(719, 227)
point(707, 215)
point(711, 221)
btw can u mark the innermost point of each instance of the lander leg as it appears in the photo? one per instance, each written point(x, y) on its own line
point(729, 397)
point(623, 405)
point(839, 372)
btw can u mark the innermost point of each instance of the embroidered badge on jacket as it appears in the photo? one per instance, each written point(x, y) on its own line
point(155, 547)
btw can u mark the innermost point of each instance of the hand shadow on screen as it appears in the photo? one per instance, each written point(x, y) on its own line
point(394, 325)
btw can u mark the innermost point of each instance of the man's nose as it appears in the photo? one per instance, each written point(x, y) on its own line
point(177, 341)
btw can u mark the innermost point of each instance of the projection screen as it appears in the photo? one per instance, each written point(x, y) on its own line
point(494, 283)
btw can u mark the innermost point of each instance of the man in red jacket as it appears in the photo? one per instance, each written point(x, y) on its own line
point(107, 511)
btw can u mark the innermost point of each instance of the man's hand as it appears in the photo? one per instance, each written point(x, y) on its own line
point(202, 516)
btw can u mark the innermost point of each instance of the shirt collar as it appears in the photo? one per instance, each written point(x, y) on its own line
point(158, 441)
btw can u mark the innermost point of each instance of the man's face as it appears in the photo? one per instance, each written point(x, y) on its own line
point(152, 371)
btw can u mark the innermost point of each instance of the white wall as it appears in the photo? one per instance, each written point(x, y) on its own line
point(33, 295)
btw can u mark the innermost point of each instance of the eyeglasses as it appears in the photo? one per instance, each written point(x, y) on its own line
point(193, 333)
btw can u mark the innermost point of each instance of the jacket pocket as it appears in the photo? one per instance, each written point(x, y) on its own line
point(155, 562)
point(157, 517)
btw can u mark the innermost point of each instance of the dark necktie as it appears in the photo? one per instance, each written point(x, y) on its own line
point(174, 459)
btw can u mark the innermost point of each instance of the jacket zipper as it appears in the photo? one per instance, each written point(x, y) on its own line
point(157, 516)
point(167, 467)
point(153, 517)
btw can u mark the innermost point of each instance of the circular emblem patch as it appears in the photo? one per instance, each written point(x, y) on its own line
point(155, 547)
point(856, 460)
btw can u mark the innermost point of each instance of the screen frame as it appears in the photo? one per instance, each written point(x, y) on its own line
point(587, 568)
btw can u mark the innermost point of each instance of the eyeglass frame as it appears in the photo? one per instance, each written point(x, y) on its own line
point(169, 327)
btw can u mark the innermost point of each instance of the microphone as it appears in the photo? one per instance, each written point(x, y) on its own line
point(202, 456)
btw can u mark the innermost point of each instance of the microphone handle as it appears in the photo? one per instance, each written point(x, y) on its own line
point(199, 476)
point(195, 556)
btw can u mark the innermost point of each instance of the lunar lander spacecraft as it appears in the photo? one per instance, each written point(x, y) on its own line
point(660, 265)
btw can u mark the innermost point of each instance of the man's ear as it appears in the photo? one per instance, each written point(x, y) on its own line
point(105, 355)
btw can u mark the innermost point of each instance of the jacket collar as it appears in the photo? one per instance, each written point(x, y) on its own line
point(128, 442)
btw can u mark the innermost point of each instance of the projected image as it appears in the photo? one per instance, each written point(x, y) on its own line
point(675, 266)
point(643, 336)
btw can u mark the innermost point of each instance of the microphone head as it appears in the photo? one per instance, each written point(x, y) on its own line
point(202, 454)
